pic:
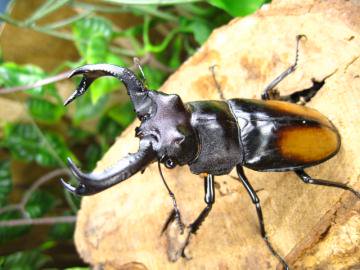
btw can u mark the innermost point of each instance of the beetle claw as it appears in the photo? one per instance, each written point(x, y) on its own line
point(79, 175)
point(74, 169)
point(79, 190)
point(68, 186)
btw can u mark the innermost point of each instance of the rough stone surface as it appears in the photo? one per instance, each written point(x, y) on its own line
point(313, 227)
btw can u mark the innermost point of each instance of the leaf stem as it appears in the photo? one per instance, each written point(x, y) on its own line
point(38, 221)
point(39, 182)
point(52, 79)
point(68, 21)
point(48, 7)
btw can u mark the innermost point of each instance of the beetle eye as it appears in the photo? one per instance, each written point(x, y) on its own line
point(169, 164)
point(138, 132)
point(144, 117)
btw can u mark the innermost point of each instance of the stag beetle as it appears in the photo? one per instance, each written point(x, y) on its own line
point(212, 137)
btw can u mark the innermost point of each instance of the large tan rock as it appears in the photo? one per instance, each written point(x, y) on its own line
point(313, 227)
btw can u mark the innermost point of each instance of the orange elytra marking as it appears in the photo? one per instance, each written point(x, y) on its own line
point(296, 109)
point(308, 143)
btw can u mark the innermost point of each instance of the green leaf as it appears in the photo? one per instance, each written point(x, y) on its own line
point(123, 114)
point(154, 77)
point(24, 260)
point(86, 109)
point(201, 30)
point(96, 49)
point(77, 134)
point(238, 7)
point(109, 129)
point(45, 111)
point(22, 141)
point(105, 85)
point(62, 231)
point(26, 143)
point(92, 154)
point(92, 36)
point(5, 181)
point(12, 75)
point(175, 59)
point(53, 148)
point(101, 87)
point(40, 203)
point(86, 29)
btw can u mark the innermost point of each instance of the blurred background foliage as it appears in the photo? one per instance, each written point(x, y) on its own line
point(40, 42)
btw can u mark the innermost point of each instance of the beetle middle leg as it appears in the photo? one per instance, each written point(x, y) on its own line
point(309, 180)
point(255, 199)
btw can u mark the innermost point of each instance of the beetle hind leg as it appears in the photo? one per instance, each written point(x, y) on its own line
point(256, 201)
point(309, 180)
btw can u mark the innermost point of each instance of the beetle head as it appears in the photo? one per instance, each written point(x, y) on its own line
point(168, 126)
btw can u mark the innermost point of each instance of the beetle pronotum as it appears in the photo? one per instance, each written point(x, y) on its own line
point(213, 137)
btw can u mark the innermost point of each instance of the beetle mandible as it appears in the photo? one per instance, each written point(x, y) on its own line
point(213, 137)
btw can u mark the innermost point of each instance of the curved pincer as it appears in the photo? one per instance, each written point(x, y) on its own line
point(91, 183)
point(80, 176)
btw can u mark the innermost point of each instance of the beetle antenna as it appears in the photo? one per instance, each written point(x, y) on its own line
point(217, 84)
point(138, 65)
point(175, 211)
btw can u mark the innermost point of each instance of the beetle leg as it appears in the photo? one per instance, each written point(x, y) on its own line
point(308, 180)
point(304, 96)
point(209, 186)
point(255, 199)
point(270, 92)
point(175, 213)
point(181, 244)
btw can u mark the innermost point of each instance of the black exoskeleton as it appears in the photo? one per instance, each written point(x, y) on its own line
point(214, 137)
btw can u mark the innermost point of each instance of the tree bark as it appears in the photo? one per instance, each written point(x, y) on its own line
point(313, 227)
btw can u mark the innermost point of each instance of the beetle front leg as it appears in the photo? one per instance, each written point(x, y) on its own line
point(175, 213)
point(209, 186)
point(255, 199)
point(177, 242)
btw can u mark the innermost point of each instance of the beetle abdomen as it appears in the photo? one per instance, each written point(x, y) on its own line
point(281, 136)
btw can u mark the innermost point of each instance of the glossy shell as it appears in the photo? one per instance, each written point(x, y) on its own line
point(217, 132)
point(281, 136)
